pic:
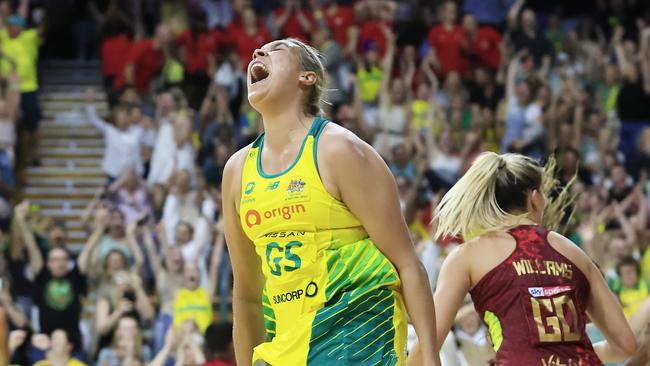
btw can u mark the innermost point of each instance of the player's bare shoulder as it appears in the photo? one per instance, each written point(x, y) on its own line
point(337, 142)
point(340, 152)
point(568, 249)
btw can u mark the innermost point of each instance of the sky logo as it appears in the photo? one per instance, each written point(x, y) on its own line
point(536, 291)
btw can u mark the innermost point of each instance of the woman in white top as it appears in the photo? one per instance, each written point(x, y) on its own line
point(122, 140)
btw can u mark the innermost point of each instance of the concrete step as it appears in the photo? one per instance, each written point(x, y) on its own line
point(66, 182)
point(62, 204)
point(57, 213)
point(54, 172)
point(62, 113)
point(77, 96)
point(64, 152)
point(74, 225)
point(37, 193)
point(71, 143)
point(69, 105)
point(71, 163)
point(61, 131)
point(70, 119)
point(67, 126)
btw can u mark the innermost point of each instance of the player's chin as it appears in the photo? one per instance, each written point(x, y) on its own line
point(257, 97)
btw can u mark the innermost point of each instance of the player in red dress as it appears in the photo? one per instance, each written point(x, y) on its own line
point(533, 288)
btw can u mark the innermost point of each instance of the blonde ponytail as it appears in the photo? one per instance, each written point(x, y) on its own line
point(491, 196)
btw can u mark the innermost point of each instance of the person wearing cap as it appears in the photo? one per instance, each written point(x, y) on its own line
point(19, 46)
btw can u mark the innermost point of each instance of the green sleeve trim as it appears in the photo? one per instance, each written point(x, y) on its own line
point(317, 129)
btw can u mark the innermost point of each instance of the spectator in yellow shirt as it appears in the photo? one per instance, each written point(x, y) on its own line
point(20, 47)
point(629, 287)
point(192, 301)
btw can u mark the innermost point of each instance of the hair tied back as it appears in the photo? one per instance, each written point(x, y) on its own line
point(502, 163)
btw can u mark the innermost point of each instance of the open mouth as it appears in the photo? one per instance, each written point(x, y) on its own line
point(258, 72)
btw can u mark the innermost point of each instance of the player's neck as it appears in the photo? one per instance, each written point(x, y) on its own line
point(285, 128)
point(529, 220)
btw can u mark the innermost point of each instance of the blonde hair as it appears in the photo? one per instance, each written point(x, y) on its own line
point(491, 196)
point(310, 60)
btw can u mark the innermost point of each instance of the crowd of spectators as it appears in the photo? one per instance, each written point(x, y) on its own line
point(429, 85)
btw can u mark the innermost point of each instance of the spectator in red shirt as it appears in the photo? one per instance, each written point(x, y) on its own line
point(146, 59)
point(377, 16)
point(483, 43)
point(448, 43)
point(115, 43)
point(113, 49)
point(295, 21)
point(250, 37)
point(198, 52)
point(340, 20)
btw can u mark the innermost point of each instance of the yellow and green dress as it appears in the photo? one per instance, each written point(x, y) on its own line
point(330, 296)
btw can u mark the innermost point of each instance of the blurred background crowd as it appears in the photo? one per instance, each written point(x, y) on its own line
point(429, 84)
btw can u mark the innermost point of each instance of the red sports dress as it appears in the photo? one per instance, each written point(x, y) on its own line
point(534, 304)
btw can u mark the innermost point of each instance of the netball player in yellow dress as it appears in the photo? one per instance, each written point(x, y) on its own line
point(324, 270)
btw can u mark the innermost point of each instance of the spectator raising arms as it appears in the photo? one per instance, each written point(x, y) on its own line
point(58, 294)
point(448, 43)
point(248, 36)
point(294, 20)
point(524, 128)
point(122, 140)
point(484, 43)
point(20, 48)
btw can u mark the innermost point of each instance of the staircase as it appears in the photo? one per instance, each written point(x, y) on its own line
point(70, 149)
